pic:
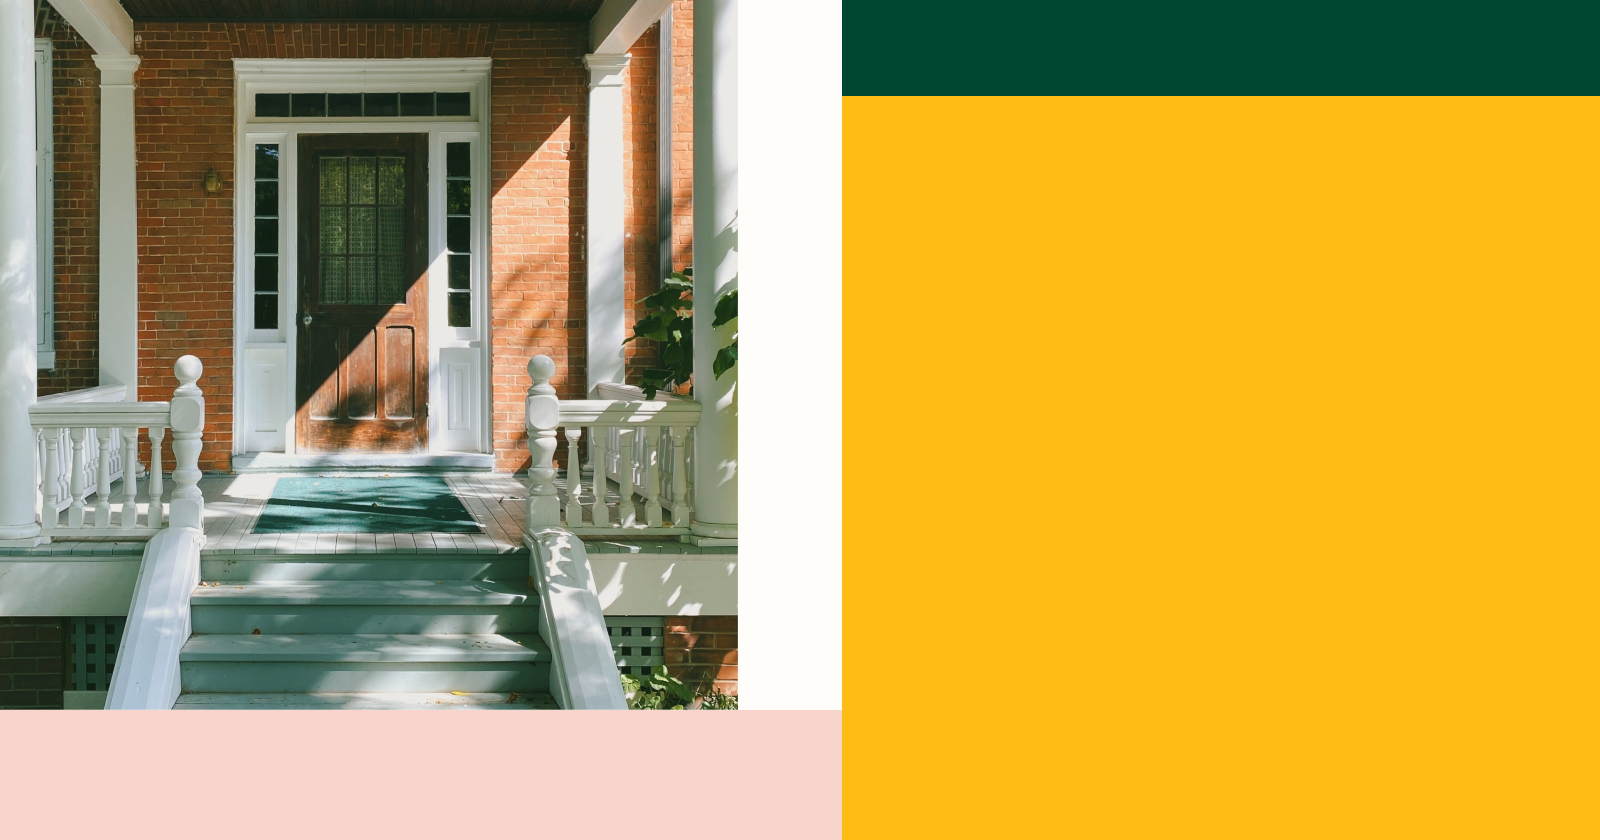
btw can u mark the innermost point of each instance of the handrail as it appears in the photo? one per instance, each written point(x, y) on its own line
point(85, 445)
point(643, 444)
point(99, 393)
point(583, 670)
point(148, 673)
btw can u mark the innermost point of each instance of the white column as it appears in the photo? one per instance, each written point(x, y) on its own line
point(716, 262)
point(605, 234)
point(18, 274)
point(119, 247)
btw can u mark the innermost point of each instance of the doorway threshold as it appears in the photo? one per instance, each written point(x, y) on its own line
point(278, 462)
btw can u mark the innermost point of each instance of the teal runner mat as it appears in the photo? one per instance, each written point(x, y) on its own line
point(402, 505)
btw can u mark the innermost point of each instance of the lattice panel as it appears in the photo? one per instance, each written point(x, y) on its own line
point(93, 650)
point(636, 641)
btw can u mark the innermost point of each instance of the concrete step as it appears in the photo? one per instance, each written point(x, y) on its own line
point(307, 567)
point(400, 607)
point(483, 701)
point(365, 663)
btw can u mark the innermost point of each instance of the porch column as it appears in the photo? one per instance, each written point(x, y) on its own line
point(716, 263)
point(119, 248)
point(605, 233)
point(19, 375)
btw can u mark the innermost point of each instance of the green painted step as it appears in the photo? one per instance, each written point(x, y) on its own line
point(239, 568)
point(338, 663)
point(438, 701)
point(413, 607)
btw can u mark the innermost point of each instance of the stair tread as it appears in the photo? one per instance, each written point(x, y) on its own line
point(365, 648)
point(361, 592)
point(484, 701)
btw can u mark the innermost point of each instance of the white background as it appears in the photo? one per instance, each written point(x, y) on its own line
point(790, 107)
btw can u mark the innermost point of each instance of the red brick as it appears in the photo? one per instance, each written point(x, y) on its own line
point(717, 623)
point(714, 657)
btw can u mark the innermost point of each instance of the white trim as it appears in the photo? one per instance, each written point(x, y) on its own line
point(45, 163)
point(253, 76)
point(104, 25)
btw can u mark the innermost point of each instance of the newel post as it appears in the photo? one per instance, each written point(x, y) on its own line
point(188, 421)
point(544, 414)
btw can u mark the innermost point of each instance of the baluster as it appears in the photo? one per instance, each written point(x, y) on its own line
point(80, 493)
point(38, 458)
point(102, 487)
point(680, 489)
point(599, 513)
point(156, 517)
point(50, 514)
point(543, 412)
point(652, 478)
point(627, 514)
point(574, 478)
point(130, 482)
point(188, 422)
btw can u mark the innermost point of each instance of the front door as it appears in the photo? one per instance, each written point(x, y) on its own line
point(362, 342)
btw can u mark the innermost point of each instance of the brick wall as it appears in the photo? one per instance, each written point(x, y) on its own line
point(704, 648)
point(77, 215)
point(184, 113)
point(682, 133)
point(32, 651)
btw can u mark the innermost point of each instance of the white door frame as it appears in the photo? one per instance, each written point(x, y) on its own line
point(264, 406)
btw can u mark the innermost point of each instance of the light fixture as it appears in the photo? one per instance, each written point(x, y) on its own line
point(213, 181)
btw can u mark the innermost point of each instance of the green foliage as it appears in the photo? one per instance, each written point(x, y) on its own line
point(672, 326)
point(660, 689)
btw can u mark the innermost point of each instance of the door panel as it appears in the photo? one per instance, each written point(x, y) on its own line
point(400, 351)
point(363, 288)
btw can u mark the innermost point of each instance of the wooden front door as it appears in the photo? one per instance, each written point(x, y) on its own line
point(363, 294)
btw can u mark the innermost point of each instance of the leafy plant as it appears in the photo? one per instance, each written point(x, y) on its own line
point(659, 689)
point(671, 324)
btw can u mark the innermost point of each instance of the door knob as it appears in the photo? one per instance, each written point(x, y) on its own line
point(306, 320)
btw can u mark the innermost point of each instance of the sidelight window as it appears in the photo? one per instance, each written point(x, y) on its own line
point(267, 221)
point(458, 231)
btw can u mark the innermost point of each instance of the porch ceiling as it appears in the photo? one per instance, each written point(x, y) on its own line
point(291, 11)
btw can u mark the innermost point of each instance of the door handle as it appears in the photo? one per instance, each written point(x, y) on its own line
point(306, 320)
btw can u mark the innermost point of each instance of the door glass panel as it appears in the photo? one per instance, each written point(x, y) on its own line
point(392, 180)
point(331, 180)
point(363, 281)
point(363, 229)
point(391, 230)
point(332, 240)
point(391, 280)
point(363, 180)
point(332, 280)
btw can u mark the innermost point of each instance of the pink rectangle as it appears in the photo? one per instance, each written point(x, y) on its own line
point(350, 774)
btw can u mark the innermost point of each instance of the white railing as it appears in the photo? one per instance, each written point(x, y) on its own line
point(642, 444)
point(91, 444)
point(666, 450)
point(82, 441)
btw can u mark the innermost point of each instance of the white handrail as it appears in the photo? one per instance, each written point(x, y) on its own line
point(644, 445)
point(86, 445)
point(583, 669)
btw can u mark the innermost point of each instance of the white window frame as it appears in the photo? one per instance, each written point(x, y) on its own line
point(45, 171)
point(253, 76)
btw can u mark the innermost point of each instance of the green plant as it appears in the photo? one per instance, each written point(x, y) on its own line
point(671, 324)
point(659, 689)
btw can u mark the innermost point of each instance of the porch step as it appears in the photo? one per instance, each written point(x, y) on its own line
point(384, 663)
point(238, 568)
point(484, 701)
point(401, 607)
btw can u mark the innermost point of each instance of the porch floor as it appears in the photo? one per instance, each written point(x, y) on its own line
point(234, 502)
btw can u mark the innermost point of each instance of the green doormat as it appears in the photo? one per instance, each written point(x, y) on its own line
point(402, 505)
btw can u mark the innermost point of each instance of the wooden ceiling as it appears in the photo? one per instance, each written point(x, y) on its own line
point(289, 11)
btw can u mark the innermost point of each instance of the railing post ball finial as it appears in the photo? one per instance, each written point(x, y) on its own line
point(188, 370)
point(541, 369)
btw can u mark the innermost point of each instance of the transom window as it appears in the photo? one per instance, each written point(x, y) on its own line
point(321, 105)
